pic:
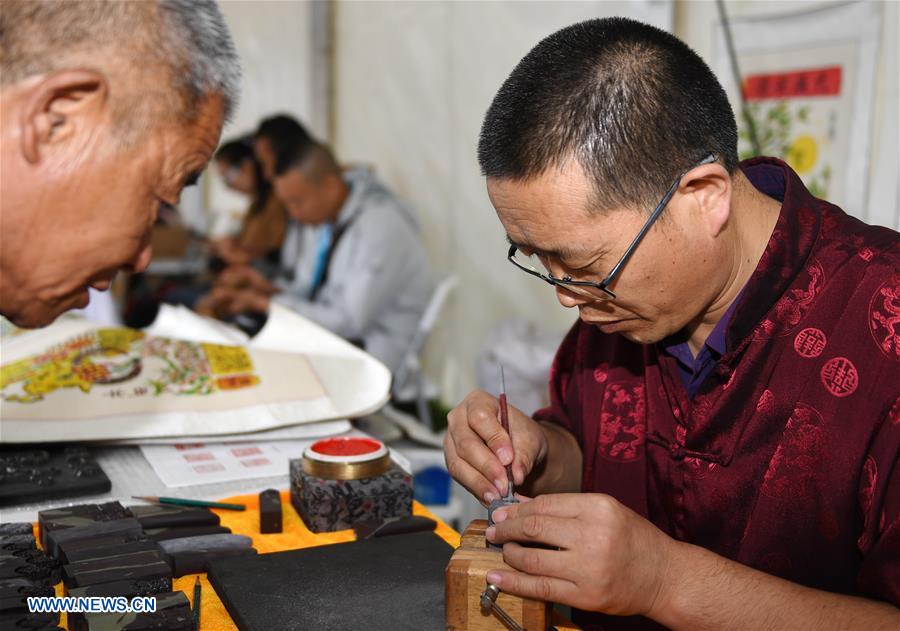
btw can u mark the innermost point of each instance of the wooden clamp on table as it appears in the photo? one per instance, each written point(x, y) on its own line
point(465, 582)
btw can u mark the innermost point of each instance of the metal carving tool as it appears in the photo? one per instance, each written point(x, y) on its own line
point(510, 497)
point(504, 421)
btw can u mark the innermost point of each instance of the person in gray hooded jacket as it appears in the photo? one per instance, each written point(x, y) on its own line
point(362, 272)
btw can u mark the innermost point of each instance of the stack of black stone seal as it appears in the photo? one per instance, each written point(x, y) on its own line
point(25, 571)
point(109, 550)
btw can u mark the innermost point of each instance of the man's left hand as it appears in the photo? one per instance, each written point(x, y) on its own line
point(609, 558)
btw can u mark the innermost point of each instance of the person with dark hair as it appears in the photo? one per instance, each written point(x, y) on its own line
point(721, 446)
point(264, 224)
point(275, 139)
point(364, 275)
point(107, 110)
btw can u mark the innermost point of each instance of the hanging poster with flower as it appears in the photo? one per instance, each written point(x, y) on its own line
point(808, 80)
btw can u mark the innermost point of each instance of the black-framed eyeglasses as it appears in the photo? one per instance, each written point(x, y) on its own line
point(580, 286)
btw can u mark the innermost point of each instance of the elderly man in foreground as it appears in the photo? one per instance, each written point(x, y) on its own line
point(721, 448)
point(107, 110)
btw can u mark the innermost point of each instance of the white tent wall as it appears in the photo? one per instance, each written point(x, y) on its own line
point(284, 70)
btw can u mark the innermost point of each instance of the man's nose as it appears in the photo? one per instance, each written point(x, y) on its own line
point(569, 298)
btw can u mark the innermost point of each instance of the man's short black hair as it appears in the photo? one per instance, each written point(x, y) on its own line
point(632, 104)
point(287, 137)
point(315, 161)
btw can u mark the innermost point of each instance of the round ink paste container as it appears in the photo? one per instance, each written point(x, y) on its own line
point(346, 458)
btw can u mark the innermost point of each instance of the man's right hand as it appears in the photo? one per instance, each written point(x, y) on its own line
point(477, 449)
point(245, 277)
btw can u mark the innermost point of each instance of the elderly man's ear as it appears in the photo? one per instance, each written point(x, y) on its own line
point(61, 107)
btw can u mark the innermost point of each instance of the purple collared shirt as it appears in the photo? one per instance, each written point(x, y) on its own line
point(694, 370)
point(768, 179)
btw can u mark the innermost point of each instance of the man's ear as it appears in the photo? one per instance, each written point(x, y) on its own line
point(710, 187)
point(59, 107)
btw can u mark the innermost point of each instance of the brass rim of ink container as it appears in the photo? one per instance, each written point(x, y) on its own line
point(347, 470)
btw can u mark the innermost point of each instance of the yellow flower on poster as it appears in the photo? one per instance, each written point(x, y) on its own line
point(803, 154)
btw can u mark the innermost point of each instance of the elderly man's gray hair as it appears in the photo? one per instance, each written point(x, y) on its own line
point(187, 37)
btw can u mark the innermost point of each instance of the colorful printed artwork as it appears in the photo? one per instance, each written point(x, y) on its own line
point(132, 364)
point(77, 374)
point(185, 376)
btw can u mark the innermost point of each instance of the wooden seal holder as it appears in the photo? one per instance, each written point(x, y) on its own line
point(464, 580)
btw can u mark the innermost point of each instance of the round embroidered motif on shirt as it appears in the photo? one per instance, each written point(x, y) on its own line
point(810, 342)
point(840, 377)
point(884, 318)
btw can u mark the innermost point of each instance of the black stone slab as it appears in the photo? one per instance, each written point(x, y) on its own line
point(16, 528)
point(20, 581)
point(53, 539)
point(191, 555)
point(78, 515)
point(14, 596)
point(18, 542)
point(74, 551)
point(205, 542)
point(173, 613)
point(31, 564)
point(33, 473)
point(104, 551)
point(169, 515)
point(128, 589)
point(383, 584)
point(124, 571)
point(97, 567)
point(162, 534)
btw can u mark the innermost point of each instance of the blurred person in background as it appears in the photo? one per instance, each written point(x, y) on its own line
point(265, 221)
point(366, 277)
point(276, 138)
point(258, 243)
